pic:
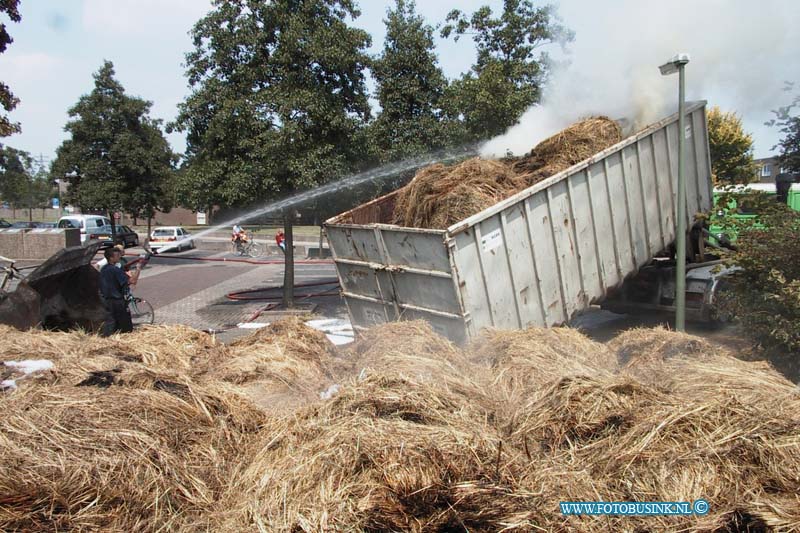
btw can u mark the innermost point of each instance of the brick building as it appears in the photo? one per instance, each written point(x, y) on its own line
point(768, 169)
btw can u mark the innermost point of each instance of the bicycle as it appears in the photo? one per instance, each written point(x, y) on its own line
point(9, 272)
point(142, 313)
point(141, 310)
point(249, 248)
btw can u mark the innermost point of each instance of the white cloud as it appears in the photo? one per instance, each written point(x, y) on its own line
point(141, 17)
point(30, 67)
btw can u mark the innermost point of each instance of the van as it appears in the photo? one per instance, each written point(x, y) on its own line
point(93, 227)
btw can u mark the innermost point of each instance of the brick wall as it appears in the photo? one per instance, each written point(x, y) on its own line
point(176, 217)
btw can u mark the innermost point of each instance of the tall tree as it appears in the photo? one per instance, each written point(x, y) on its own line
point(788, 122)
point(730, 147)
point(15, 176)
point(278, 102)
point(116, 156)
point(7, 99)
point(511, 66)
point(410, 87)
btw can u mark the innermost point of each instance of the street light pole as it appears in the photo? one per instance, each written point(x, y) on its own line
point(678, 64)
point(68, 175)
point(58, 191)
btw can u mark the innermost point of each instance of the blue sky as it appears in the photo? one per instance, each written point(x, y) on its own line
point(60, 43)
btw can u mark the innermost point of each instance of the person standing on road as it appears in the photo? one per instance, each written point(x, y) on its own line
point(280, 240)
point(114, 288)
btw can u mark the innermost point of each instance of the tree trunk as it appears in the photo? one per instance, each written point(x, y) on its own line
point(320, 240)
point(149, 225)
point(30, 200)
point(288, 260)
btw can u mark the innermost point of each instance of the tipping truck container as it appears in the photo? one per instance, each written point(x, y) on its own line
point(536, 258)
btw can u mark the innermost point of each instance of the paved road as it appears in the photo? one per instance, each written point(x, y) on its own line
point(191, 287)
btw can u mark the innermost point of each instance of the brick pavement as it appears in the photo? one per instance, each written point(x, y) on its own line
point(210, 309)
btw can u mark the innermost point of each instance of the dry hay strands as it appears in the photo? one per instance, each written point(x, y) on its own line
point(283, 365)
point(441, 195)
point(525, 363)
point(386, 454)
point(568, 147)
point(743, 459)
point(639, 443)
point(578, 412)
point(640, 346)
point(78, 356)
point(692, 368)
point(117, 459)
point(409, 349)
point(173, 347)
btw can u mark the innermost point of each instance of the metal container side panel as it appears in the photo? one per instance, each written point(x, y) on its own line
point(586, 230)
point(703, 159)
point(389, 273)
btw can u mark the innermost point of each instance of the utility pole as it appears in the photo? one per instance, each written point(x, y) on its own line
point(678, 64)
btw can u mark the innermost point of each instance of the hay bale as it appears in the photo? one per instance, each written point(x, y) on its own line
point(525, 363)
point(568, 147)
point(279, 367)
point(441, 195)
point(386, 454)
point(117, 459)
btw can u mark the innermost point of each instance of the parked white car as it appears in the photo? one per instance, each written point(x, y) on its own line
point(165, 238)
point(93, 227)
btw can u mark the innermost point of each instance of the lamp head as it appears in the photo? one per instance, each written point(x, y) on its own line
point(671, 66)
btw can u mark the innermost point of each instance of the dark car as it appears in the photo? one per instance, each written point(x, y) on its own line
point(4, 223)
point(126, 236)
point(26, 225)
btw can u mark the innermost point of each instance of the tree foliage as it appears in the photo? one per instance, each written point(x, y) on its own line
point(511, 64)
point(730, 147)
point(22, 184)
point(410, 88)
point(788, 122)
point(278, 103)
point(7, 99)
point(764, 289)
point(278, 99)
point(116, 156)
point(15, 176)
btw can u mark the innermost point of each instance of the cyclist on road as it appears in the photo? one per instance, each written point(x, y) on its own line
point(239, 236)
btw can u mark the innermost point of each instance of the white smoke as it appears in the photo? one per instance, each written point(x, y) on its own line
point(741, 54)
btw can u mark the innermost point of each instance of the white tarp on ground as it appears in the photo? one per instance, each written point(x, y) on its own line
point(27, 367)
point(338, 330)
